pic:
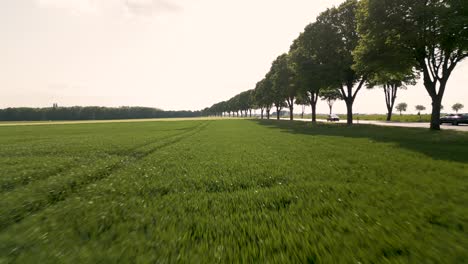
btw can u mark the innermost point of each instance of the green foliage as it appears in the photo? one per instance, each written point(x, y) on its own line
point(282, 77)
point(338, 37)
point(312, 74)
point(330, 95)
point(245, 100)
point(431, 35)
point(336, 32)
point(89, 113)
point(302, 99)
point(457, 107)
point(420, 107)
point(381, 42)
point(401, 107)
point(264, 93)
point(232, 191)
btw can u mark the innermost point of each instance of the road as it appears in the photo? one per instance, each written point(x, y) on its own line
point(463, 127)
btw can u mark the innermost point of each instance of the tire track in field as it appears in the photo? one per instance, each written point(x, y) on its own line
point(11, 185)
point(19, 211)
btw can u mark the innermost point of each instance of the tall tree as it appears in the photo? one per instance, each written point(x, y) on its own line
point(401, 107)
point(245, 102)
point(303, 101)
point(283, 77)
point(330, 96)
point(384, 66)
point(264, 94)
point(391, 83)
point(257, 97)
point(311, 74)
point(337, 36)
point(420, 108)
point(431, 34)
point(457, 107)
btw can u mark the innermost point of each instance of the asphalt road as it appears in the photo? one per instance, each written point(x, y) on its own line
point(462, 127)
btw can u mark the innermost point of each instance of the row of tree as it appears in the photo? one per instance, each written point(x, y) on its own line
point(89, 113)
point(401, 107)
point(373, 43)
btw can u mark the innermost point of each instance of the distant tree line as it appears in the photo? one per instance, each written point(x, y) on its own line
point(89, 113)
point(366, 43)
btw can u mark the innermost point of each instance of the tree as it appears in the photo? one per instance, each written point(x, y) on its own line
point(264, 95)
point(302, 101)
point(432, 35)
point(420, 108)
point(252, 104)
point(234, 105)
point(457, 107)
point(401, 107)
point(311, 74)
point(257, 97)
point(384, 66)
point(245, 102)
point(391, 84)
point(336, 32)
point(330, 96)
point(283, 84)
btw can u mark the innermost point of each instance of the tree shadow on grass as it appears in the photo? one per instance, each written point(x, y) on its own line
point(440, 145)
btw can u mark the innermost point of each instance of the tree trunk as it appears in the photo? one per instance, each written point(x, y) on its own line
point(250, 112)
point(389, 114)
point(331, 108)
point(268, 113)
point(431, 77)
point(261, 113)
point(278, 110)
point(348, 97)
point(435, 117)
point(390, 91)
point(436, 101)
point(349, 111)
point(291, 113)
point(313, 105)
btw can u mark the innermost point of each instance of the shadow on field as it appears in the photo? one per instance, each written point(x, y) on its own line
point(441, 145)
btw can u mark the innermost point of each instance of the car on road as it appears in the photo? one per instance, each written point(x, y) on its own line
point(454, 119)
point(332, 118)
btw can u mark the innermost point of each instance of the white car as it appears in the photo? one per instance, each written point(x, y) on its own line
point(332, 118)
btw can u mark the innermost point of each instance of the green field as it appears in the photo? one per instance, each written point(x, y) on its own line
point(395, 117)
point(223, 191)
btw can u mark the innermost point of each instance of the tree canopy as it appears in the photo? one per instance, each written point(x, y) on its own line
point(431, 35)
point(373, 43)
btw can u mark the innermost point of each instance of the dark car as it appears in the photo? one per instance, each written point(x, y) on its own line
point(455, 119)
point(333, 118)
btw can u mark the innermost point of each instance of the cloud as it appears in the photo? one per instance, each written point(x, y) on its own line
point(150, 7)
point(133, 7)
point(75, 6)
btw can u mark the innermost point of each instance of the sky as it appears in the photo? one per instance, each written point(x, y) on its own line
point(169, 54)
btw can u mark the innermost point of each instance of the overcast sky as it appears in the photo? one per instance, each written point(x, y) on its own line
point(171, 54)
